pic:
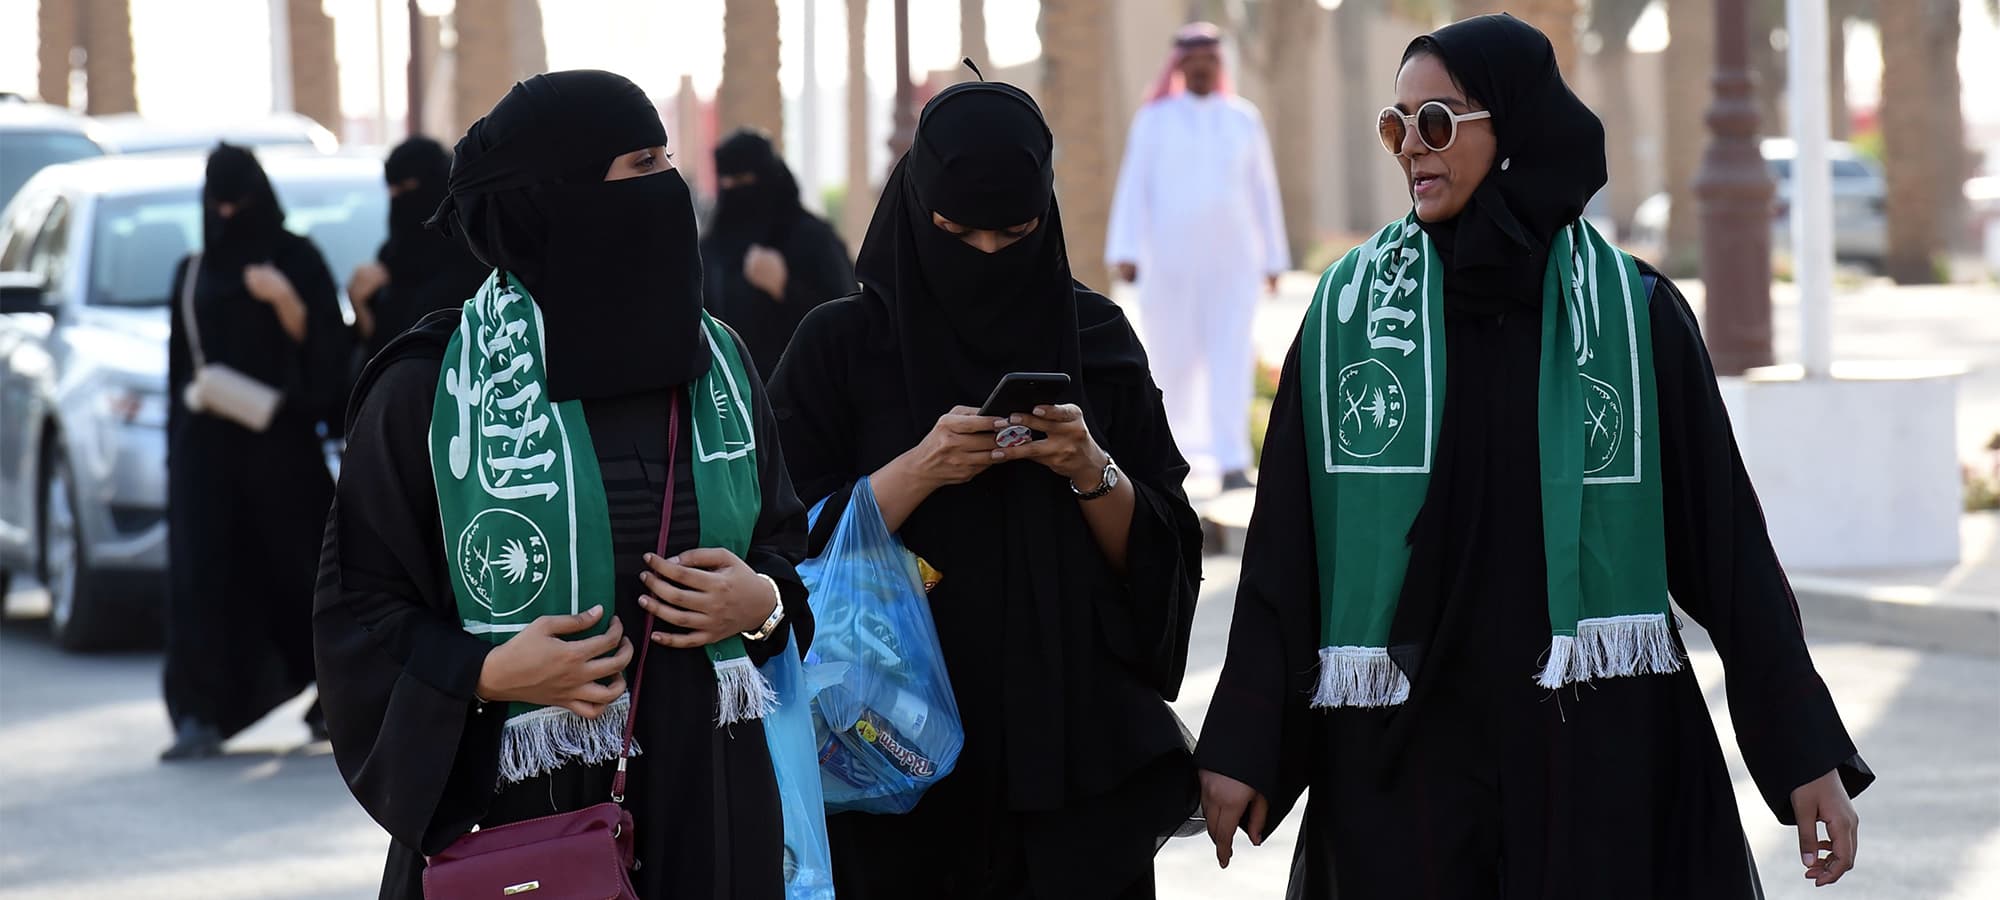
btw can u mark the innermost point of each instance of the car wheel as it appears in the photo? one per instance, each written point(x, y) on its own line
point(79, 616)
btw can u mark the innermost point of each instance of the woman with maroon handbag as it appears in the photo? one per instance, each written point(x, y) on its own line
point(576, 463)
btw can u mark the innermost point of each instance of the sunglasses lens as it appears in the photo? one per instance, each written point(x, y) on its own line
point(1435, 126)
point(1389, 127)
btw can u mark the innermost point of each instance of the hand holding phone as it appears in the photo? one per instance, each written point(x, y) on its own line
point(1021, 392)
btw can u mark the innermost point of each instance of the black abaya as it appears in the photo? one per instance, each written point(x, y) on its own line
point(414, 745)
point(245, 509)
point(1077, 713)
point(1485, 785)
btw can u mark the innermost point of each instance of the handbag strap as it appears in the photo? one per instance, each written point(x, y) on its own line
point(187, 308)
point(646, 637)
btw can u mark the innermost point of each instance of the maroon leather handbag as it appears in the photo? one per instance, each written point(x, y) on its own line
point(581, 855)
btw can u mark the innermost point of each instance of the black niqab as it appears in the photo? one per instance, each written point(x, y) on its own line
point(412, 251)
point(753, 213)
point(1547, 163)
point(982, 157)
point(613, 265)
point(251, 234)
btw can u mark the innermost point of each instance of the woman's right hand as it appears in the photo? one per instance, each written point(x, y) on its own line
point(957, 449)
point(537, 666)
point(1224, 803)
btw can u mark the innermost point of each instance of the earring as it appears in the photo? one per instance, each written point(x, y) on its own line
point(1506, 163)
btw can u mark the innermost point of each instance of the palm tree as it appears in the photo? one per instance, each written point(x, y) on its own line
point(1612, 21)
point(1557, 19)
point(749, 95)
point(315, 72)
point(1690, 59)
point(1910, 128)
point(499, 43)
point(858, 205)
point(1362, 164)
point(1289, 29)
point(972, 32)
point(1076, 83)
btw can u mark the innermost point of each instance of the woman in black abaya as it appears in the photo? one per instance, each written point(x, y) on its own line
point(1068, 583)
point(566, 186)
point(245, 508)
point(769, 262)
point(417, 271)
point(1476, 781)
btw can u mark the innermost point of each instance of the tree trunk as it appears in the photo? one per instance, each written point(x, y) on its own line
point(749, 96)
point(1363, 165)
point(315, 65)
point(1953, 160)
point(1557, 19)
point(1910, 123)
point(499, 43)
point(972, 34)
point(1076, 85)
point(57, 23)
point(859, 205)
point(1621, 129)
point(1690, 60)
point(1293, 34)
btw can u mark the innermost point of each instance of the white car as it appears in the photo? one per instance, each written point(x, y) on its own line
point(1860, 226)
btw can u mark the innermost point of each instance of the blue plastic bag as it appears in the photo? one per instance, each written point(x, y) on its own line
point(788, 733)
point(884, 720)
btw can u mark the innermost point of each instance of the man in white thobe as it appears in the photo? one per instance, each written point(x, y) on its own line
point(1197, 224)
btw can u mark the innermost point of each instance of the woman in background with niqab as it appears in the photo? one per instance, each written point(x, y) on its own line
point(1067, 582)
point(1497, 446)
point(476, 674)
point(768, 261)
point(244, 508)
point(417, 271)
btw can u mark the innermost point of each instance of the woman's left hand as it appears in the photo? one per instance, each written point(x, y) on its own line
point(1824, 799)
point(1069, 450)
point(266, 283)
point(723, 596)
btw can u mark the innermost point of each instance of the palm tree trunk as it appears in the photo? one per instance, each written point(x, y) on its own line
point(972, 33)
point(1363, 164)
point(1954, 164)
point(315, 70)
point(1621, 130)
point(1076, 84)
point(749, 96)
point(1294, 32)
point(1690, 59)
point(499, 43)
point(1910, 122)
point(859, 203)
point(1840, 119)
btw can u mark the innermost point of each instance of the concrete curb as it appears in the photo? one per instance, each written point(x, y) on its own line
point(1922, 620)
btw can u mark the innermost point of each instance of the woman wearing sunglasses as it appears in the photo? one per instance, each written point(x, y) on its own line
point(1497, 446)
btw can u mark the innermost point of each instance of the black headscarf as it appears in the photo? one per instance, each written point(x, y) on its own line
point(982, 157)
point(753, 213)
point(1548, 160)
point(251, 235)
point(412, 252)
point(613, 265)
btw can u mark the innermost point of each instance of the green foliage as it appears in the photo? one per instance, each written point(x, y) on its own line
point(1868, 144)
point(833, 199)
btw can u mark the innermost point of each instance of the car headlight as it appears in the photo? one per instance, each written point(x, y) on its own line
point(133, 406)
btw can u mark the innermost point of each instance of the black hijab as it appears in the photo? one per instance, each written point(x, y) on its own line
point(982, 157)
point(252, 234)
point(1548, 160)
point(613, 265)
point(753, 213)
point(412, 252)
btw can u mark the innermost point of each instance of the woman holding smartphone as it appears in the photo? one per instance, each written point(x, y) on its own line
point(1067, 580)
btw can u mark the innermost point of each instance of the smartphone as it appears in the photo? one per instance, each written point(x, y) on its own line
point(1021, 392)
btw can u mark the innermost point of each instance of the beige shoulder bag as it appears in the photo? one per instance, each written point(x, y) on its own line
point(217, 389)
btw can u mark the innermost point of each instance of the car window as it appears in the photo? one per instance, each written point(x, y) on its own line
point(50, 253)
point(141, 237)
point(1851, 168)
point(24, 153)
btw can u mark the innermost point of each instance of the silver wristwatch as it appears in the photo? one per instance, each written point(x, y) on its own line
point(777, 612)
point(1109, 484)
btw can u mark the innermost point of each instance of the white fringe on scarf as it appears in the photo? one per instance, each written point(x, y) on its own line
point(742, 692)
point(1359, 676)
point(1611, 647)
point(544, 740)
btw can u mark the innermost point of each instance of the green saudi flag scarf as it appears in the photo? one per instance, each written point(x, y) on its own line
point(1372, 369)
point(525, 524)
